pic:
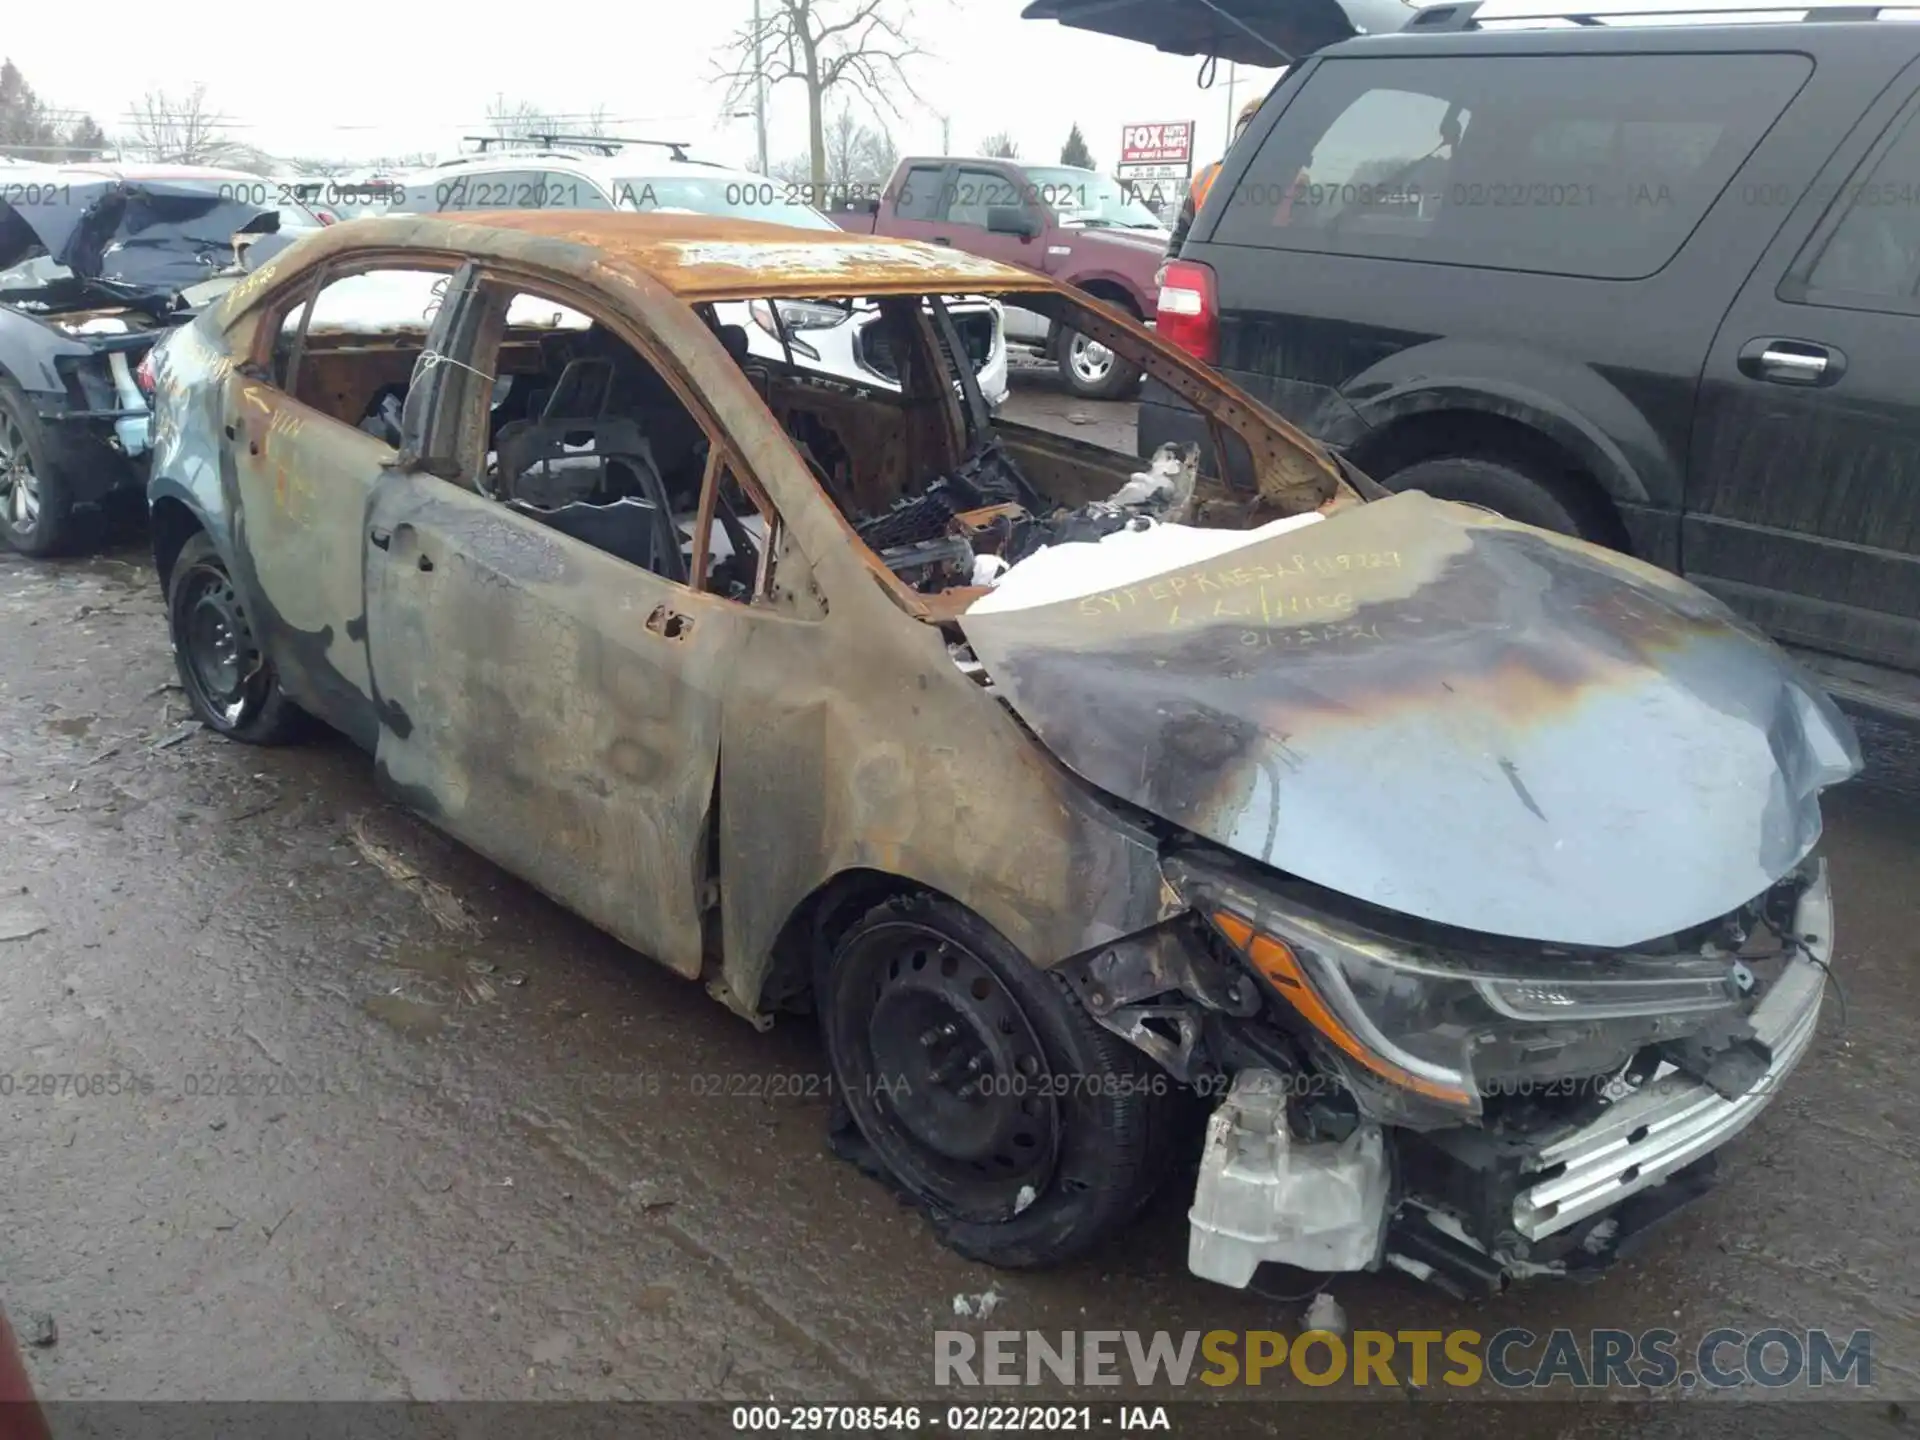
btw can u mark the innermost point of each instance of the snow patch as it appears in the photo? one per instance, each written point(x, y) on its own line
point(1126, 557)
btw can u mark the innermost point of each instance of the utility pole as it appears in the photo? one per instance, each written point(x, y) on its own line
point(1233, 74)
point(759, 92)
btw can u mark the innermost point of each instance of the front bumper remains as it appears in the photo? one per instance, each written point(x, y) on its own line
point(1506, 1207)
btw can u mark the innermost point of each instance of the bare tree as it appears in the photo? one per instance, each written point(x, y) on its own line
point(523, 120)
point(1000, 146)
point(795, 170)
point(857, 154)
point(824, 44)
point(185, 131)
point(860, 158)
point(516, 119)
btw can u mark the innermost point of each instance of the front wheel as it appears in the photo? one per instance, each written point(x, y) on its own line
point(1092, 371)
point(1025, 1131)
point(229, 680)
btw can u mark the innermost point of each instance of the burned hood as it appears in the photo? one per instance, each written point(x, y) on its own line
point(1431, 709)
point(137, 237)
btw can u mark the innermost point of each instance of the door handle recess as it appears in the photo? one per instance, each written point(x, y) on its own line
point(381, 538)
point(1791, 362)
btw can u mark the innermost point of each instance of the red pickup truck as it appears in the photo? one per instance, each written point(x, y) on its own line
point(1079, 226)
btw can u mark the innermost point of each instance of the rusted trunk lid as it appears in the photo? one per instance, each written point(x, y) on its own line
point(1425, 707)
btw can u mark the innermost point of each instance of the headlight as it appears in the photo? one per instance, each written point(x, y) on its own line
point(1450, 1028)
point(796, 315)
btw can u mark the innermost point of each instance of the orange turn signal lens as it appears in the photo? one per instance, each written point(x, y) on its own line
point(1282, 969)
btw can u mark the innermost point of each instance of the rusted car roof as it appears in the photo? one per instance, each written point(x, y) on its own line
point(701, 257)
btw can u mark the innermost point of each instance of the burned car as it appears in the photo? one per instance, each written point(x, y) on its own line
point(96, 261)
point(1468, 872)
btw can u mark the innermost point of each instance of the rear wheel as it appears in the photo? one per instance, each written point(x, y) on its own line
point(34, 499)
point(229, 680)
point(1025, 1131)
point(1092, 371)
point(1508, 490)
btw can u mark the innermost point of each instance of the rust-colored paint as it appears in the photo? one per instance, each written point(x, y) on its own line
point(818, 731)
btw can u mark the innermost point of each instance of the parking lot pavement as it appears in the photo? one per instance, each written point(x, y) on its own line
point(350, 1113)
point(1038, 398)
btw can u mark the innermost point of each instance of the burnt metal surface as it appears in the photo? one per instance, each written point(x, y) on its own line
point(517, 694)
point(1428, 708)
point(137, 238)
point(700, 257)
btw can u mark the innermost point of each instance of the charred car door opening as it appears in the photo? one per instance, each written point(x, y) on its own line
point(1072, 797)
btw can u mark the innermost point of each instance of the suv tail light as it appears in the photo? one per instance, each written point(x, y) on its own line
point(143, 376)
point(1189, 313)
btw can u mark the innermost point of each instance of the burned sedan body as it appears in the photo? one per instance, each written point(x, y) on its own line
point(1469, 872)
point(95, 263)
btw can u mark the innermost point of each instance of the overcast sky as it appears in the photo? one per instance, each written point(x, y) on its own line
point(359, 79)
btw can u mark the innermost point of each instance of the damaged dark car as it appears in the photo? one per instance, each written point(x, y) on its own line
point(96, 262)
point(1466, 873)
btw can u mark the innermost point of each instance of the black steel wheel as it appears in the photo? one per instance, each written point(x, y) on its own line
point(1025, 1131)
point(228, 678)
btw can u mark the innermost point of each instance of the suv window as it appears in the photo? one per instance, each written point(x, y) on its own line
point(1593, 165)
point(1874, 252)
point(501, 190)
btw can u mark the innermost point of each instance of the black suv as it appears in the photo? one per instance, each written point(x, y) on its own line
point(1654, 284)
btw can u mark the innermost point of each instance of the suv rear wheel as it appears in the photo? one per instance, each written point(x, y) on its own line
point(1504, 489)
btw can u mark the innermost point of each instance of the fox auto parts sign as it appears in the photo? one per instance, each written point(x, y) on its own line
point(1156, 152)
point(1165, 144)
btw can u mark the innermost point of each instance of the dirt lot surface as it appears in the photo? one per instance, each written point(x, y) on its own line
point(389, 1124)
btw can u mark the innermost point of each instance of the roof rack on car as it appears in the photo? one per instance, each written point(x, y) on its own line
point(599, 144)
point(1481, 14)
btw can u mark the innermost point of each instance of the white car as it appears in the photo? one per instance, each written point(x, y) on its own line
point(838, 339)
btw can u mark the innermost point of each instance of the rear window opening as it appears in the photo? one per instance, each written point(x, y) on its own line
point(1591, 165)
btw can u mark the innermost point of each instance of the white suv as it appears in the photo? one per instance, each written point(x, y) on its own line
point(832, 339)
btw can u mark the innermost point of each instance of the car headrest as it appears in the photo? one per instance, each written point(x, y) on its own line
point(734, 337)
